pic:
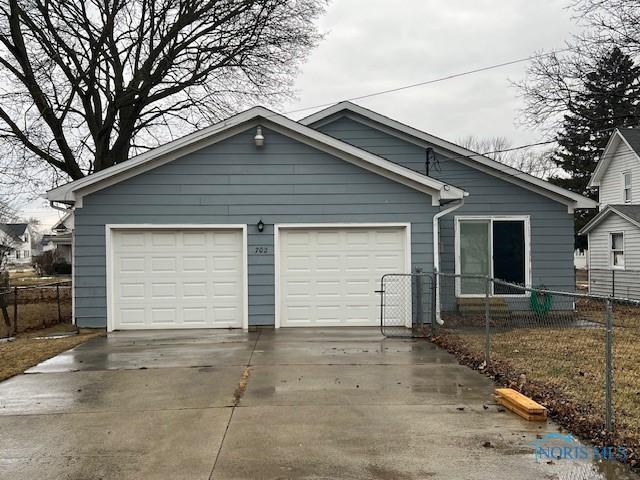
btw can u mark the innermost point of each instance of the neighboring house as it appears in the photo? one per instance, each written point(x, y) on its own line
point(61, 239)
point(16, 240)
point(262, 220)
point(614, 234)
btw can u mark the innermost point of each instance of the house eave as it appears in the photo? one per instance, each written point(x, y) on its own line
point(72, 193)
point(595, 221)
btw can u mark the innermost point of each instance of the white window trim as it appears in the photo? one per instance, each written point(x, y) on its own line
point(290, 226)
point(624, 187)
point(491, 218)
point(109, 228)
point(610, 252)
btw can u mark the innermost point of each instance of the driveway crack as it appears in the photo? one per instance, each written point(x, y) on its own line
point(237, 396)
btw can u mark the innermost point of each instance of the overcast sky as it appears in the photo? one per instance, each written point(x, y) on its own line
point(374, 45)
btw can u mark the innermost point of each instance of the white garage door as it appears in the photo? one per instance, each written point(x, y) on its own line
point(177, 279)
point(327, 276)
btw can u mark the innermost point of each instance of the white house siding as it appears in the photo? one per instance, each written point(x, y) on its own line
point(601, 276)
point(611, 184)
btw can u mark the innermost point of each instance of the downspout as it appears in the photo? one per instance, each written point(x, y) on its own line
point(436, 251)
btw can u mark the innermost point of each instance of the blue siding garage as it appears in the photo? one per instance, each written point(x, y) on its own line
point(232, 182)
point(322, 209)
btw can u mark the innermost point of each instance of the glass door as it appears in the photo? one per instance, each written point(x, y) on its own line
point(475, 251)
point(491, 247)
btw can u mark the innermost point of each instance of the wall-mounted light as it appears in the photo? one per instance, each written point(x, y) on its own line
point(260, 225)
point(259, 138)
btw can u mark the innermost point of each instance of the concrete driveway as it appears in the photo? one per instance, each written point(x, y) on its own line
point(292, 404)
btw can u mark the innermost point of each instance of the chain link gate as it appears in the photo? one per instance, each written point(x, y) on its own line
point(407, 303)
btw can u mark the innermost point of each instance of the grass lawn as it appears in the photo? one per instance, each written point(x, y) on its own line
point(27, 350)
point(571, 361)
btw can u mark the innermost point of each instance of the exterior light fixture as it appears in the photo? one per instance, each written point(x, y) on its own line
point(259, 138)
point(260, 225)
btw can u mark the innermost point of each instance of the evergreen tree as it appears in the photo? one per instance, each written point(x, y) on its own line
point(610, 98)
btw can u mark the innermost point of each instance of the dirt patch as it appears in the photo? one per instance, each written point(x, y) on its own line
point(28, 350)
point(242, 386)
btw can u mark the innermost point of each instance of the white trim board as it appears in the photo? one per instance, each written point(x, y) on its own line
point(461, 154)
point(109, 228)
point(608, 154)
point(491, 218)
point(74, 191)
point(291, 226)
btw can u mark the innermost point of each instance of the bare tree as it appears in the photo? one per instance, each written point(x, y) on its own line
point(85, 84)
point(528, 160)
point(492, 147)
point(555, 80)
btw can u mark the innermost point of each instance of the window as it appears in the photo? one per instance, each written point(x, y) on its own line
point(626, 195)
point(26, 254)
point(17, 254)
point(616, 259)
point(497, 247)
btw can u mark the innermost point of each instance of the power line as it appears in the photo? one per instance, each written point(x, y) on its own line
point(434, 80)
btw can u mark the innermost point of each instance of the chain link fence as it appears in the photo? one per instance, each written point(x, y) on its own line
point(34, 307)
point(406, 304)
point(578, 353)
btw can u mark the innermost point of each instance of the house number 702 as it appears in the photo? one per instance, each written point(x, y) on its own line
point(262, 250)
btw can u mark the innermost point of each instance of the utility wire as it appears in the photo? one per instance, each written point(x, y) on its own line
point(434, 80)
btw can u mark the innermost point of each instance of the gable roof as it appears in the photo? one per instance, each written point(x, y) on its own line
point(461, 154)
point(14, 230)
point(628, 136)
point(631, 213)
point(73, 192)
point(65, 222)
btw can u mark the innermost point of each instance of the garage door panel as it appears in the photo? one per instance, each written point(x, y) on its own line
point(195, 264)
point(132, 264)
point(178, 279)
point(327, 276)
point(164, 239)
point(132, 291)
point(195, 315)
point(164, 265)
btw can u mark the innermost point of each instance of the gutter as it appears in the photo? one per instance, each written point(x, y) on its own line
point(436, 251)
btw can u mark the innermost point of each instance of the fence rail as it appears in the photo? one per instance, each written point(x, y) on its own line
point(577, 351)
point(26, 308)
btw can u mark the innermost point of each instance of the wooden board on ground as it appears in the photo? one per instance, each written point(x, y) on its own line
point(521, 405)
point(523, 402)
point(538, 417)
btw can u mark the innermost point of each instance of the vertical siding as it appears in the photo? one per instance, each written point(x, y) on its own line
point(234, 183)
point(612, 183)
point(551, 225)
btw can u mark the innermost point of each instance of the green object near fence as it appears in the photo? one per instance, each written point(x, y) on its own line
point(541, 302)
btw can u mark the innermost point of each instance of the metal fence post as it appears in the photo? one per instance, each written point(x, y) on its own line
point(15, 310)
point(608, 398)
point(487, 321)
point(58, 299)
point(419, 293)
point(613, 283)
